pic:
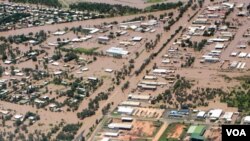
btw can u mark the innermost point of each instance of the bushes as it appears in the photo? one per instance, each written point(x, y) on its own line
point(13, 18)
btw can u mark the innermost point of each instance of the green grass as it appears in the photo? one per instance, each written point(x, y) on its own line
point(171, 127)
point(154, 1)
point(86, 51)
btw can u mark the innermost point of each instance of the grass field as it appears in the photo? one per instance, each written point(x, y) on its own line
point(155, 1)
point(173, 132)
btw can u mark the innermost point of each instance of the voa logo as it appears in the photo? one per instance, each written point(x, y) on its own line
point(236, 132)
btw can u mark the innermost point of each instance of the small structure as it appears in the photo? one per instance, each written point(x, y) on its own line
point(246, 120)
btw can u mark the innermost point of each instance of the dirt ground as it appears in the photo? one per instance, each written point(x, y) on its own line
point(177, 131)
point(213, 133)
point(143, 128)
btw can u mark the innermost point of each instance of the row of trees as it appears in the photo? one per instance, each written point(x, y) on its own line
point(52, 3)
point(13, 18)
point(112, 10)
point(93, 105)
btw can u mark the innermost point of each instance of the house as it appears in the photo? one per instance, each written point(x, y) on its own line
point(117, 52)
point(149, 77)
point(215, 114)
point(201, 115)
point(103, 39)
point(137, 39)
point(58, 33)
point(200, 21)
point(160, 71)
point(219, 46)
point(227, 116)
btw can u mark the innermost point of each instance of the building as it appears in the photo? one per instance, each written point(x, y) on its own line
point(149, 77)
point(117, 52)
point(125, 110)
point(136, 39)
point(139, 97)
point(58, 33)
point(147, 87)
point(201, 115)
point(121, 126)
point(160, 71)
point(246, 120)
point(219, 46)
point(103, 39)
point(127, 119)
point(130, 103)
point(200, 21)
point(111, 134)
point(228, 116)
point(215, 114)
point(197, 129)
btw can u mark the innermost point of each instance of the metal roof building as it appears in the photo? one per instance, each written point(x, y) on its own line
point(126, 126)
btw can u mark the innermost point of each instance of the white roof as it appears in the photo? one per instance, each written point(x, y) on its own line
point(137, 38)
point(115, 50)
point(18, 116)
point(247, 119)
point(55, 63)
point(120, 125)
point(94, 30)
point(103, 38)
point(201, 114)
point(227, 115)
point(140, 97)
point(59, 32)
point(160, 71)
point(92, 78)
point(57, 72)
point(5, 112)
point(215, 113)
point(131, 103)
point(133, 26)
point(127, 110)
point(111, 134)
point(7, 62)
point(242, 54)
point(108, 70)
point(219, 46)
point(105, 139)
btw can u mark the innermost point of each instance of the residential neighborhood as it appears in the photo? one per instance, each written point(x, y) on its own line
point(141, 70)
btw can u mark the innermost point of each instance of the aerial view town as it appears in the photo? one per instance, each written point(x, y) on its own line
point(123, 70)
